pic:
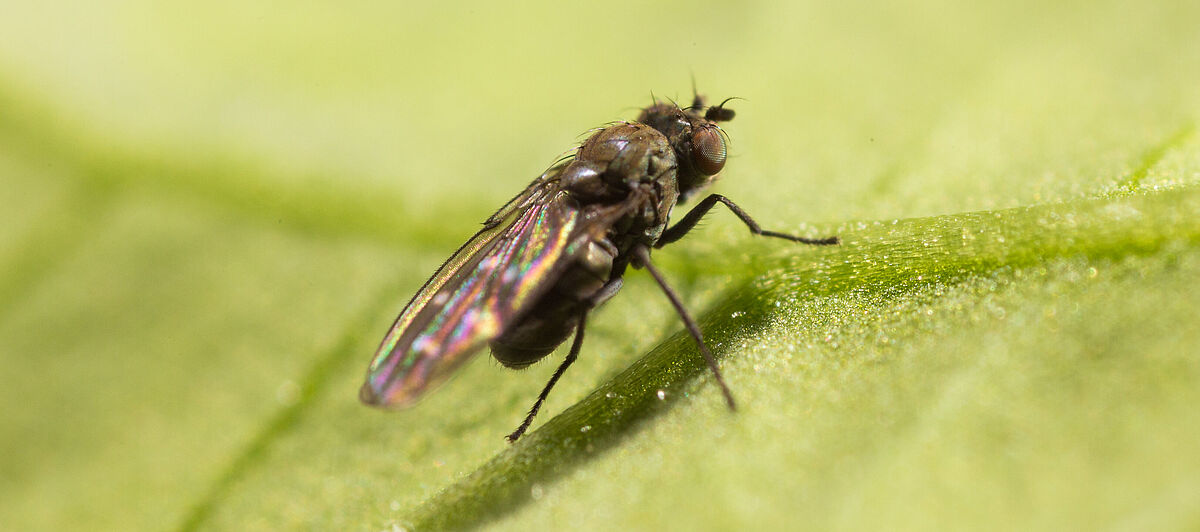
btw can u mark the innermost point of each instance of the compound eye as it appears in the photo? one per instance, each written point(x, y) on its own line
point(708, 151)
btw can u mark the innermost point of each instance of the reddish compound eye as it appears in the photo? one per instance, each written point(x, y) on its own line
point(708, 151)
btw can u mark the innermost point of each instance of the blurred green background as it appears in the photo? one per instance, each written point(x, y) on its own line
point(212, 213)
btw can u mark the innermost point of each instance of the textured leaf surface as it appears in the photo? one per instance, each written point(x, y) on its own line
point(213, 214)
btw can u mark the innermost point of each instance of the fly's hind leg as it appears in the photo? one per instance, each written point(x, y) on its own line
point(606, 292)
point(575, 345)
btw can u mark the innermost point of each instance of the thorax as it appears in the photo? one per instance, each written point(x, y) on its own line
point(631, 167)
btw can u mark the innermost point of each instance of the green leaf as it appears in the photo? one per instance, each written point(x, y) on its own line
point(213, 214)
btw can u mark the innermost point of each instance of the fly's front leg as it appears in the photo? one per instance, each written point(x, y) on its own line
point(693, 217)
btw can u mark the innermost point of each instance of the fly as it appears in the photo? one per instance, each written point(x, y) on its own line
point(559, 249)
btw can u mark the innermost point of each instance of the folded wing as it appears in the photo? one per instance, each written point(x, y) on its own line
point(485, 285)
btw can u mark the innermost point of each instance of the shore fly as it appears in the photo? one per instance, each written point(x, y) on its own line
point(557, 250)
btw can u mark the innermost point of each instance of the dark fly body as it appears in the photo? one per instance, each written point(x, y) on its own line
point(557, 250)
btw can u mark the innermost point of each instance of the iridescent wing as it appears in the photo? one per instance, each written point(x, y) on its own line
point(485, 285)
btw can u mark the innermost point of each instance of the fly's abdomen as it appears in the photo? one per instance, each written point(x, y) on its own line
point(552, 319)
point(535, 336)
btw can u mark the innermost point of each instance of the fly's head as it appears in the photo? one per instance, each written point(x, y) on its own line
point(693, 133)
